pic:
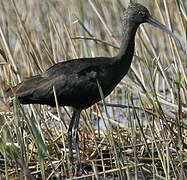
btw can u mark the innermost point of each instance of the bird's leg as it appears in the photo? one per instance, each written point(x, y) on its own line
point(70, 136)
point(76, 138)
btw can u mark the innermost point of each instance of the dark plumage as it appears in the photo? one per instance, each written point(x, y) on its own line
point(75, 81)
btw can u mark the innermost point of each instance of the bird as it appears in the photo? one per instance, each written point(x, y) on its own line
point(76, 81)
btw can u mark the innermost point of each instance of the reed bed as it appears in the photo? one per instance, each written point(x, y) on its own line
point(138, 132)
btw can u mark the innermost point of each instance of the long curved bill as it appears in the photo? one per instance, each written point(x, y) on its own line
point(154, 22)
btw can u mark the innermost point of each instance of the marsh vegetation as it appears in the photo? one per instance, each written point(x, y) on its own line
point(140, 131)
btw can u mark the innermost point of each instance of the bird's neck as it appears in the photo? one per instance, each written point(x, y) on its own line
point(127, 44)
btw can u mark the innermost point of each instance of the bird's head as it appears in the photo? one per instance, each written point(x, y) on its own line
point(137, 14)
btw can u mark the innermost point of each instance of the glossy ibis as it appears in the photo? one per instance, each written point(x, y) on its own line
point(75, 81)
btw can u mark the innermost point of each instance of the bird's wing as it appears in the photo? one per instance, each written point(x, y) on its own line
point(28, 86)
point(71, 79)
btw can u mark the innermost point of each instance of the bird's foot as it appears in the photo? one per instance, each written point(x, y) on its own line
point(80, 170)
point(76, 169)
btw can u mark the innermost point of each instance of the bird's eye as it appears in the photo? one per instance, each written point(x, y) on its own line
point(141, 13)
